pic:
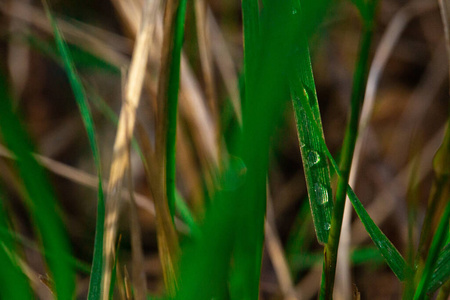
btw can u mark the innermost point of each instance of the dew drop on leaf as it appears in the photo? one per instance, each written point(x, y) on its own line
point(313, 158)
point(321, 193)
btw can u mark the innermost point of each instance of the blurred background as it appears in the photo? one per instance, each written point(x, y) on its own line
point(406, 125)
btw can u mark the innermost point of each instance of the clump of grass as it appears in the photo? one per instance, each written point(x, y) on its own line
point(216, 251)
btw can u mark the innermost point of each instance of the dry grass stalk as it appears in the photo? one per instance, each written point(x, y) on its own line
point(124, 132)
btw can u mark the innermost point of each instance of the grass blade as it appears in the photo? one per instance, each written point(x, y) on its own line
point(387, 249)
point(83, 106)
point(41, 200)
point(348, 148)
point(14, 283)
point(314, 160)
point(172, 105)
point(393, 258)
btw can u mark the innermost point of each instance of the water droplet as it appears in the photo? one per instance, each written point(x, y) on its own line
point(294, 11)
point(313, 158)
point(321, 193)
point(327, 226)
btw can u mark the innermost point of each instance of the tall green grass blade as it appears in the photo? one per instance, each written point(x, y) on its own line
point(441, 272)
point(41, 200)
point(81, 99)
point(237, 216)
point(314, 160)
point(348, 148)
point(172, 98)
point(14, 284)
point(387, 249)
point(266, 90)
point(315, 164)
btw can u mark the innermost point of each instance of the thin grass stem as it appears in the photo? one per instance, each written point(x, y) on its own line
point(331, 248)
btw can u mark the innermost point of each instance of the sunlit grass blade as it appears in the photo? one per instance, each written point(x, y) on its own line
point(441, 273)
point(81, 99)
point(14, 284)
point(41, 200)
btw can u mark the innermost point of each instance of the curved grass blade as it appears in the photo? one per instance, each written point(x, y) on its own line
point(40, 198)
point(172, 103)
point(15, 285)
point(81, 99)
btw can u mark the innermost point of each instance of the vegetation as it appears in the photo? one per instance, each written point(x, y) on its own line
point(171, 108)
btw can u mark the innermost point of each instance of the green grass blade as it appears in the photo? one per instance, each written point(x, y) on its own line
point(315, 164)
point(41, 200)
point(172, 98)
point(441, 272)
point(81, 99)
point(266, 92)
point(387, 249)
point(348, 148)
point(14, 283)
point(237, 216)
point(393, 258)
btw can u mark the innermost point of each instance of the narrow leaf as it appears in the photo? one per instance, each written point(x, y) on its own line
point(81, 99)
point(390, 253)
point(441, 272)
point(15, 285)
point(41, 200)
